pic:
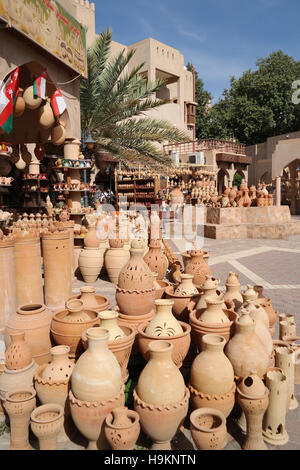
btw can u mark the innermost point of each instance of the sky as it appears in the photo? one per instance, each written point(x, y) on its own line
point(220, 37)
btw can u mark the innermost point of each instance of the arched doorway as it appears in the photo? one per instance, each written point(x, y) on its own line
point(290, 186)
point(223, 180)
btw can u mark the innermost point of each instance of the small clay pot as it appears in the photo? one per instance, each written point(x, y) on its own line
point(183, 305)
point(19, 405)
point(46, 423)
point(18, 354)
point(122, 428)
point(135, 302)
point(208, 429)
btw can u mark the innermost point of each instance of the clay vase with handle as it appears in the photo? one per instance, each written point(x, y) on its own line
point(122, 428)
point(197, 266)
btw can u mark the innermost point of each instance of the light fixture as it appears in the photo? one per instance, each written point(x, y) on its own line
point(90, 142)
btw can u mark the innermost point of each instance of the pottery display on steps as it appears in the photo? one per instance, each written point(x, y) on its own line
point(122, 428)
point(19, 405)
point(60, 367)
point(284, 360)
point(97, 374)
point(92, 301)
point(46, 423)
point(245, 350)
point(208, 429)
point(186, 286)
point(109, 321)
point(115, 259)
point(156, 260)
point(274, 431)
point(233, 290)
point(90, 263)
point(18, 355)
point(253, 397)
point(197, 266)
point(163, 323)
point(214, 312)
point(35, 321)
point(183, 304)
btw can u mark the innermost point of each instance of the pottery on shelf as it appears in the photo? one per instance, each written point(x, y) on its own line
point(97, 374)
point(115, 259)
point(156, 260)
point(252, 396)
point(19, 405)
point(197, 266)
point(233, 290)
point(109, 321)
point(163, 323)
point(186, 286)
point(208, 429)
point(18, 355)
point(284, 360)
point(90, 263)
point(122, 428)
point(90, 300)
point(46, 423)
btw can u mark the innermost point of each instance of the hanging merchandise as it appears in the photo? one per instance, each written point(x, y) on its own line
point(26, 155)
point(20, 104)
point(58, 134)
point(39, 86)
point(58, 103)
point(8, 93)
point(39, 151)
point(5, 149)
point(46, 116)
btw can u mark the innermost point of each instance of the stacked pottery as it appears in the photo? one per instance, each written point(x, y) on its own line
point(212, 377)
point(115, 259)
point(209, 289)
point(122, 428)
point(159, 286)
point(233, 290)
point(91, 257)
point(19, 405)
point(68, 325)
point(197, 266)
point(90, 300)
point(156, 260)
point(208, 429)
point(46, 423)
point(160, 397)
point(252, 396)
point(185, 297)
point(164, 326)
point(96, 387)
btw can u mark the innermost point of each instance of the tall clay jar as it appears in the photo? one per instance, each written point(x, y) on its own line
point(69, 225)
point(274, 431)
point(18, 354)
point(156, 260)
point(115, 259)
point(28, 269)
point(90, 263)
point(233, 290)
point(57, 269)
point(8, 296)
point(197, 266)
point(19, 405)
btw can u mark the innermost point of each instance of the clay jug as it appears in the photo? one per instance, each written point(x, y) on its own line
point(214, 312)
point(209, 289)
point(97, 374)
point(90, 262)
point(156, 260)
point(91, 240)
point(76, 313)
point(164, 323)
point(122, 428)
point(18, 355)
point(255, 311)
point(211, 371)
point(60, 367)
point(246, 199)
point(115, 259)
point(30, 101)
point(233, 290)
point(136, 275)
point(186, 287)
point(20, 104)
point(46, 116)
point(250, 293)
point(109, 321)
point(160, 382)
point(197, 265)
point(244, 349)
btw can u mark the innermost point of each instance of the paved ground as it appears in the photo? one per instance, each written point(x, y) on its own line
point(274, 264)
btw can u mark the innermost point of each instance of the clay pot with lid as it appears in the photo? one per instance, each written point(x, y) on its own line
point(18, 354)
point(19, 405)
point(186, 286)
point(156, 260)
point(233, 290)
point(115, 259)
point(35, 321)
point(122, 428)
point(253, 397)
point(46, 423)
point(90, 300)
point(208, 429)
point(197, 266)
point(183, 304)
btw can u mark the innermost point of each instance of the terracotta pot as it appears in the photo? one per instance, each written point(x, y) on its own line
point(287, 328)
point(208, 429)
point(233, 290)
point(90, 263)
point(274, 431)
point(46, 423)
point(35, 321)
point(91, 240)
point(115, 259)
point(18, 355)
point(197, 266)
point(46, 116)
point(209, 289)
point(232, 195)
point(28, 269)
point(19, 405)
point(11, 380)
point(186, 286)
point(156, 260)
point(109, 321)
point(224, 403)
point(136, 275)
point(51, 391)
point(214, 312)
point(122, 428)
point(160, 287)
point(163, 323)
point(284, 360)
point(135, 302)
point(20, 104)
point(268, 307)
point(99, 303)
point(252, 396)
point(30, 101)
point(57, 269)
point(181, 342)
point(183, 305)
point(58, 135)
point(161, 422)
point(8, 295)
point(294, 343)
point(61, 367)
point(97, 374)
point(211, 371)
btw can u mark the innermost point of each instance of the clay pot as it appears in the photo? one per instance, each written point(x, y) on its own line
point(156, 260)
point(252, 396)
point(11, 380)
point(287, 327)
point(161, 422)
point(90, 263)
point(197, 266)
point(209, 289)
point(274, 431)
point(284, 360)
point(35, 321)
point(183, 305)
point(46, 116)
point(109, 321)
point(8, 296)
point(91, 240)
point(233, 290)
point(61, 367)
point(97, 374)
point(214, 312)
point(122, 428)
point(160, 287)
point(18, 354)
point(211, 371)
point(19, 405)
point(232, 195)
point(164, 323)
point(99, 303)
point(30, 101)
point(115, 259)
point(294, 343)
point(89, 417)
point(224, 403)
point(136, 275)
point(208, 429)
point(134, 302)
point(20, 104)
point(181, 342)
point(51, 391)
point(186, 286)
point(46, 423)
point(58, 135)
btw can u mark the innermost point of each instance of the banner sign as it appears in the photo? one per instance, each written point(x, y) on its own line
point(50, 25)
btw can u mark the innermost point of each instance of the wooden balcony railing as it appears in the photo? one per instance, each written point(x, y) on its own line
point(223, 146)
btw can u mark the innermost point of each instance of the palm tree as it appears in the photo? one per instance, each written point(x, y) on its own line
point(112, 103)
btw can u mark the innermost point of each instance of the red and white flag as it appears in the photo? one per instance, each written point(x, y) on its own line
point(58, 103)
point(8, 94)
point(39, 86)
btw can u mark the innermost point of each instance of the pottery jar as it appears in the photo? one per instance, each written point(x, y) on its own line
point(30, 101)
point(91, 240)
point(97, 374)
point(135, 303)
point(186, 286)
point(90, 263)
point(46, 423)
point(197, 266)
point(214, 312)
point(19, 405)
point(8, 294)
point(164, 323)
point(61, 367)
point(35, 321)
point(211, 371)
point(11, 380)
point(46, 116)
point(233, 290)
point(18, 355)
point(284, 360)
point(209, 289)
point(136, 275)
point(90, 300)
point(122, 428)
point(208, 429)
point(109, 321)
point(115, 259)
point(156, 260)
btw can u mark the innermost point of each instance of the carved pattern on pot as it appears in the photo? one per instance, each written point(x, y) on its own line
point(224, 403)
